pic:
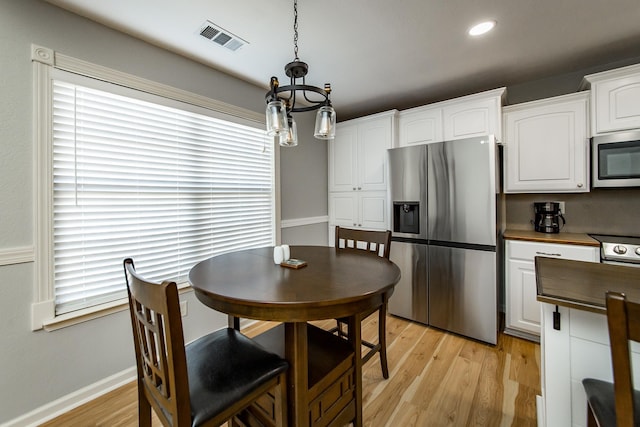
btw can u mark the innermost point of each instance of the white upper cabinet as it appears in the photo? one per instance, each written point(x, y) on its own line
point(358, 172)
point(343, 151)
point(375, 136)
point(422, 125)
point(473, 115)
point(546, 145)
point(357, 155)
point(615, 99)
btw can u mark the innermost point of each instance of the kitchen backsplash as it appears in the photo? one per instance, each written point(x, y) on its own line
point(613, 211)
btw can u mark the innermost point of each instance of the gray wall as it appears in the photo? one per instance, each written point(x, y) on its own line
point(303, 185)
point(40, 367)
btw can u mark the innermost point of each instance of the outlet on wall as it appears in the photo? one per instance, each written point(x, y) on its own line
point(561, 207)
point(183, 308)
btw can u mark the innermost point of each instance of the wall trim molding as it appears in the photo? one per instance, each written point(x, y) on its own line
point(79, 397)
point(17, 255)
point(299, 222)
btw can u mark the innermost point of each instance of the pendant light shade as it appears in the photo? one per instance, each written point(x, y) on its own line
point(276, 118)
point(325, 123)
point(281, 100)
point(290, 137)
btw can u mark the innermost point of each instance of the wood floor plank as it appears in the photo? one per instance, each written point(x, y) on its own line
point(489, 389)
point(453, 397)
point(436, 369)
point(408, 358)
point(524, 364)
point(436, 379)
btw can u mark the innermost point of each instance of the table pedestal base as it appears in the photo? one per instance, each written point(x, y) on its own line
point(330, 388)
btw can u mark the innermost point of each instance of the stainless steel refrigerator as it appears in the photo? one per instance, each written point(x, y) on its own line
point(444, 233)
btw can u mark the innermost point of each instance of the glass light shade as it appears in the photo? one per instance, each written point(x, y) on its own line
point(276, 118)
point(290, 137)
point(325, 123)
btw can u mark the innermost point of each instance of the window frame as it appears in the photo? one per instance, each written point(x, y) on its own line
point(45, 61)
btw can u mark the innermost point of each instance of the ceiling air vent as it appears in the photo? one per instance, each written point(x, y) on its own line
point(221, 36)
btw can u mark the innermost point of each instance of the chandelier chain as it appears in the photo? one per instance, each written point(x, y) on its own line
point(295, 29)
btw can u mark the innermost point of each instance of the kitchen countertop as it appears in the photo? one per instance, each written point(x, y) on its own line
point(581, 239)
point(582, 285)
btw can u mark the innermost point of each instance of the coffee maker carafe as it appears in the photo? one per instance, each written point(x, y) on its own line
point(547, 217)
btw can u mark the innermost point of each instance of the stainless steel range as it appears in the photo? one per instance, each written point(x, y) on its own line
point(619, 250)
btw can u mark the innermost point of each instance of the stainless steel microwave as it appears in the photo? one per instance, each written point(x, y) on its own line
point(615, 160)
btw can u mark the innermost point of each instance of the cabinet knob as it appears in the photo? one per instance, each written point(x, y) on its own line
point(359, 225)
point(580, 185)
point(354, 188)
point(359, 188)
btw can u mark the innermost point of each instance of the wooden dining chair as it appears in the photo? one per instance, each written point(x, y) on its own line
point(207, 382)
point(617, 403)
point(377, 243)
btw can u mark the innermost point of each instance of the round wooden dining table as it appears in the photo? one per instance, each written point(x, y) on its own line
point(333, 284)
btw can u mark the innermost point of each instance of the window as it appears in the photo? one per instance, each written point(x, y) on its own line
point(135, 174)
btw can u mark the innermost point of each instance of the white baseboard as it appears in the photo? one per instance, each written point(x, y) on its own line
point(73, 400)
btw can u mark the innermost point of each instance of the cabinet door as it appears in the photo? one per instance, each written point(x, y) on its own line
point(343, 209)
point(546, 146)
point(342, 159)
point(524, 309)
point(472, 118)
point(373, 210)
point(374, 138)
point(617, 104)
point(420, 127)
point(522, 306)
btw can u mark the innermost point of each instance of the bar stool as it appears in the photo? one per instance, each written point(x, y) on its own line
point(617, 403)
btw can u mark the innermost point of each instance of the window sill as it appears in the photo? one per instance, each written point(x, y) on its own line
point(80, 316)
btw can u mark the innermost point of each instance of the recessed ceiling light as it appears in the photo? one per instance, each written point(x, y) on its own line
point(482, 28)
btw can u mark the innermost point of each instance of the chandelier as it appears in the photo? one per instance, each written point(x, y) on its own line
point(281, 100)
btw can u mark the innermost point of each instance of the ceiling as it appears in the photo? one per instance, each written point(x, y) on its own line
point(383, 54)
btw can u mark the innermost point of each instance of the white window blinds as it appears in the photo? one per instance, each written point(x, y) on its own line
point(166, 186)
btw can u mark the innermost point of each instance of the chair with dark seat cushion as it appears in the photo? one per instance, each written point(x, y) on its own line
point(207, 382)
point(617, 403)
point(377, 243)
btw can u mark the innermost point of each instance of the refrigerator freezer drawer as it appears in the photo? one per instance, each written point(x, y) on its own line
point(462, 292)
point(410, 298)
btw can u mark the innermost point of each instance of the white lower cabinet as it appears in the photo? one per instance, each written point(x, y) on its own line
point(522, 308)
point(580, 349)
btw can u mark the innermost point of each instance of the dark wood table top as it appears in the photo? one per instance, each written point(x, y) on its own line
point(583, 285)
point(333, 284)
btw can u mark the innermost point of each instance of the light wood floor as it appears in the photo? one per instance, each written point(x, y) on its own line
point(436, 379)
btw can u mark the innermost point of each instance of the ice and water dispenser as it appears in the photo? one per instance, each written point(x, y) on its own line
point(406, 217)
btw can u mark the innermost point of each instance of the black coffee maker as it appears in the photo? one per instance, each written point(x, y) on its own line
point(547, 217)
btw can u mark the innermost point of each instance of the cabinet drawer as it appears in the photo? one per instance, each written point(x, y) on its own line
point(529, 250)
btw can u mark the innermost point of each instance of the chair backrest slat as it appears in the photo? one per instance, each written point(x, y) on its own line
point(623, 318)
point(377, 242)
